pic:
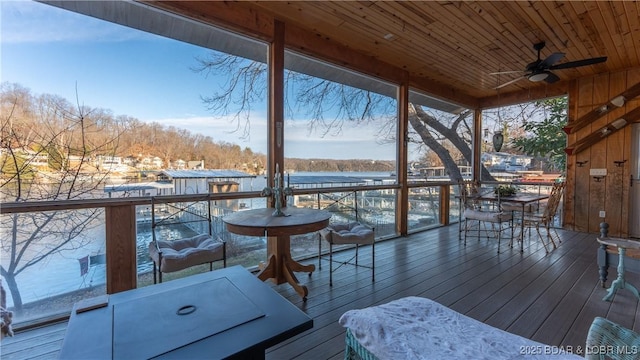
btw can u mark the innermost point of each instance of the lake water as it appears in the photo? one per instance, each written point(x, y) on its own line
point(61, 272)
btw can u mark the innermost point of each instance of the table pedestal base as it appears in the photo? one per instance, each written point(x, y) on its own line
point(281, 268)
point(620, 282)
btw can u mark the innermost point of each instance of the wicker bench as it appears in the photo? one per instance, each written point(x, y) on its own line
point(419, 328)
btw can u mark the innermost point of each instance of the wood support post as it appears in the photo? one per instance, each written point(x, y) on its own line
point(122, 272)
point(402, 197)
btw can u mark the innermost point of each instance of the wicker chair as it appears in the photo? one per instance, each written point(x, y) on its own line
point(545, 219)
point(608, 340)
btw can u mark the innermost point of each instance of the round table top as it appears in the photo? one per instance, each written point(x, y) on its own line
point(256, 222)
point(621, 243)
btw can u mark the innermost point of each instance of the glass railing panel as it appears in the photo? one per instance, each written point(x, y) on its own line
point(375, 208)
point(455, 205)
point(247, 251)
point(50, 260)
point(532, 188)
point(78, 268)
point(378, 208)
point(424, 208)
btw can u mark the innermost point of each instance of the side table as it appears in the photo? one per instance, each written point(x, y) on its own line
point(620, 282)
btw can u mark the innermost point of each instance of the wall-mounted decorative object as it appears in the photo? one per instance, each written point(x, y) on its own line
point(615, 103)
point(603, 132)
point(498, 140)
point(581, 163)
point(598, 174)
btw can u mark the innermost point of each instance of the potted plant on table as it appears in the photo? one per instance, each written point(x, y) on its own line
point(505, 190)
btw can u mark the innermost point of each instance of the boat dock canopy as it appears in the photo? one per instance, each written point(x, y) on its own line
point(316, 179)
point(202, 174)
point(141, 186)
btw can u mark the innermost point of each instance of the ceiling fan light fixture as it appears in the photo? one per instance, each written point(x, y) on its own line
point(538, 77)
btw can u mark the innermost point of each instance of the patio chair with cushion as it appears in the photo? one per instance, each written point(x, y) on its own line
point(353, 233)
point(172, 255)
point(472, 214)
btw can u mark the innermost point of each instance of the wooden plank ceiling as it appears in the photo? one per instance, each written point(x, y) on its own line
point(447, 48)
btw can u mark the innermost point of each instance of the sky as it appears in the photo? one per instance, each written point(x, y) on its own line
point(53, 51)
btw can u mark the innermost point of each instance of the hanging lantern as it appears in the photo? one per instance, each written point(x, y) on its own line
point(498, 139)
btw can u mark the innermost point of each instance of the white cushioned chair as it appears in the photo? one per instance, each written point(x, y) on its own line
point(353, 233)
point(175, 255)
point(473, 212)
point(179, 254)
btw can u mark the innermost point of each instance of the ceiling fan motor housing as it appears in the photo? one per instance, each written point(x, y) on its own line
point(532, 66)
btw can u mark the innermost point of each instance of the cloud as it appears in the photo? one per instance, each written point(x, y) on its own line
point(353, 143)
point(222, 129)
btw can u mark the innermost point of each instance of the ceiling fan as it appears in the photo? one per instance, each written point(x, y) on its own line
point(540, 70)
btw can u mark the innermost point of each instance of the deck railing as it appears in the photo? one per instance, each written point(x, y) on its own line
point(119, 262)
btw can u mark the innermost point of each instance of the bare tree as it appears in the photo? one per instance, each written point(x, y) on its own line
point(318, 97)
point(69, 137)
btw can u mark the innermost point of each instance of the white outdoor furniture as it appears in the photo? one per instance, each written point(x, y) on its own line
point(347, 233)
point(420, 328)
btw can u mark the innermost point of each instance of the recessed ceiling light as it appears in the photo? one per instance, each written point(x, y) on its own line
point(389, 36)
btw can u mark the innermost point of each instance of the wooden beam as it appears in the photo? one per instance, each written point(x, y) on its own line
point(223, 14)
point(541, 92)
point(445, 204)
point(275, 154)
point(600, 111)
point(443, 92)
point(402, 196)
point(477, 144)
point(571, 171)
point(316, 46)
point(250, 21)
point(603, 132)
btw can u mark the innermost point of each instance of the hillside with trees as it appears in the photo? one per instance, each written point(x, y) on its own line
point(32, 123)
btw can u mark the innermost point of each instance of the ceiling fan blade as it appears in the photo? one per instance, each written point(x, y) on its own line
point(509, 82)
point(551, 77)
point(550, 60)
point(507, 72)
point(577, 63)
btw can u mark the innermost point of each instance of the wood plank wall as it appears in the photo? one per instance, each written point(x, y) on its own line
point(585, 197)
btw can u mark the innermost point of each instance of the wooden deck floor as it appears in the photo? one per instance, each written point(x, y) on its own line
point(548, 298)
